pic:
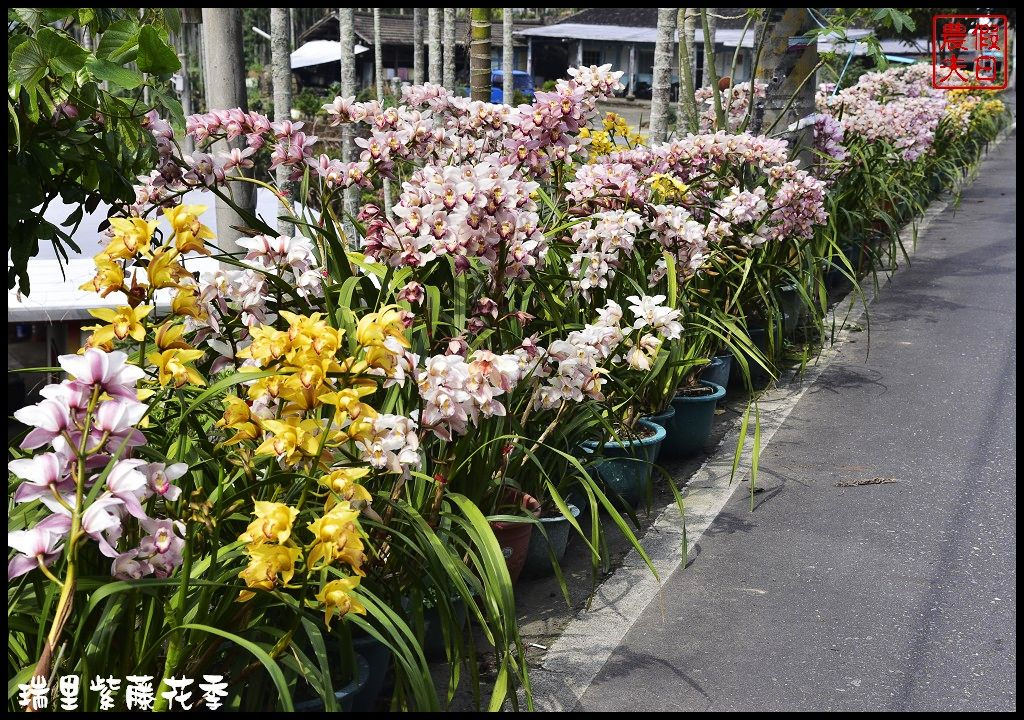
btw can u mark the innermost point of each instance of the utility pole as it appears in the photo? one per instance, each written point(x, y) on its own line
point(225, 89)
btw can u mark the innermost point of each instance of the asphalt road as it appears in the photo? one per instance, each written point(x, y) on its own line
point(892, 596)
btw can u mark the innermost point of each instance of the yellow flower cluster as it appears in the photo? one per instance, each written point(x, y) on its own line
point(309, 376)
point(603, 142)
point(667, 188)
point(274, 554)
point(313, 400)
point(132, 241)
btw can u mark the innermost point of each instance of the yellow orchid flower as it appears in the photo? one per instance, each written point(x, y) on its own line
point(189, 233)
point(337, 597)
point(336, 537)
point(342, 482)
point(170, 336)
point(267, 344)
point(272, 386)
point(186, 303)
point(125, 322)
point(667, 187)
point(109, 276)
point(266, 562)
point(290, 439)
point(376, 328)
point(131, 237)
point(273, 523)
point(237, 417)
point(174, 369)
point(164, 270)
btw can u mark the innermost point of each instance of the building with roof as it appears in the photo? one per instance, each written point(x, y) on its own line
point(625, 38)
point(396, 35)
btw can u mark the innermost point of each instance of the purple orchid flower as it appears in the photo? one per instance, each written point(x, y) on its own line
point(41, 542)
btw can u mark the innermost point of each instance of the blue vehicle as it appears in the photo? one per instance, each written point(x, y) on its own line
point(521, 81)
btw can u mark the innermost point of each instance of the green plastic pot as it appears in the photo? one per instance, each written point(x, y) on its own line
point(625, 467)
point(538, 555)
point(690, 430)
point(717, 371)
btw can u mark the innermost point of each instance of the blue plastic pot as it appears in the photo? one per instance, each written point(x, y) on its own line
point(690, 429)
point(538, 555)
point(661, 419)
point(625, 468)
point(346, 696)
point(716, 371)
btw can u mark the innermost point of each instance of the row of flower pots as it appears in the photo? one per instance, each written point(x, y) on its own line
point(624, 468)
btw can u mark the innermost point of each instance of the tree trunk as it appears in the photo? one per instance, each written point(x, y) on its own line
point(709, 46)
point(789, 74)
point(417, 46)
point(661, 85)
point(281, 71)
point(686, 107)
point(480, 54)
point(225, 89)
point(378, 57)
point(449, 48)
point(348, 89)
point(434, 33)
point(507, 57)
point(378, 72)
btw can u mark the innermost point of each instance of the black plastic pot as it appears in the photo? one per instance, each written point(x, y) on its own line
point(377, 655)
point(346, 696)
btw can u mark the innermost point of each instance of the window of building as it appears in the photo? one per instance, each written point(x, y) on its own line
point(591, 57)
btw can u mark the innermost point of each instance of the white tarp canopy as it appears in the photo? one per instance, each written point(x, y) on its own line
point(55, 295)
point(318, 52)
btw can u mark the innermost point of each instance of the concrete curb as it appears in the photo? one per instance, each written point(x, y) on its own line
point(575, 658)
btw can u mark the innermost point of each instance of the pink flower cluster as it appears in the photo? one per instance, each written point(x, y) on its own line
point(735, 102)
point(607, 185)
point(288, 257)
point(458, 391)
point(87, 435)
point(897, 106)
point(572, 367)
point(477, 211)
point(676, 231)
point(828, 137)
point(546, 131)
point(597, 245)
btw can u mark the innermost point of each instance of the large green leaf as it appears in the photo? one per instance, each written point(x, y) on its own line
point(120, 42)
point(115, 74)
point(62, 53)
point(28, 64)
point(155, 55)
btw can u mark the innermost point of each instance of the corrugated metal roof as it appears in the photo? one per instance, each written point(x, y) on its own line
point(395, 29)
